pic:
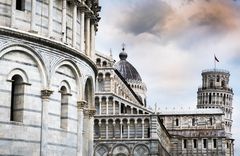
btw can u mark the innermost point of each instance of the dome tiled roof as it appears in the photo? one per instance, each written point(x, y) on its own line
point(126, 69)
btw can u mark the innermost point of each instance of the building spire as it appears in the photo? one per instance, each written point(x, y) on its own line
point(123, 46)
point(123, 55)
point(110, 52)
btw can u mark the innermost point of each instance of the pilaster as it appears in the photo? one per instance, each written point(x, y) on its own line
point(45, 94)
point(64, 14)
point(13, 15)
point(80, 106)
point(74, 26)
point(87, 37)
point(50, 17)
point(33, 16)
point(82, 36)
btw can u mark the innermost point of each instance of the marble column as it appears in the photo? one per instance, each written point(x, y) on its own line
point(128, 124)
point(143, 129)
point(111, 83)
point(92, 42)
point(45, 94)
point(114, 107)
point(121, 129)
point(92, 112)
point(33, 16)
point(100, 126)
point(80, 106)
point(64, 20)
point(82, 36)
point(87, 37)
point(86, 125)
point(135, 128)
point(107, 106)
point(114, 124)
point(74, 26)
point(100, 107)
point(50, 17)
point(106, 130)
point(13, 14)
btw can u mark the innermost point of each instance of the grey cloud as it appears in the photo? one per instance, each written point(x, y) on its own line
point(209, 18)
point(143, 16)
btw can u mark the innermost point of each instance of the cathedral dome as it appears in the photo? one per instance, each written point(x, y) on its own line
point(126, 69)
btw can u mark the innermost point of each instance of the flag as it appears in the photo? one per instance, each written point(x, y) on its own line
point(216, 59)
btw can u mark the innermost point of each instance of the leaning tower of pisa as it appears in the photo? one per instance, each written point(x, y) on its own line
point(216, 93)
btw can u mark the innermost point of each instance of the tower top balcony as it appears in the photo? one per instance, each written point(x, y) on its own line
point(212, 71)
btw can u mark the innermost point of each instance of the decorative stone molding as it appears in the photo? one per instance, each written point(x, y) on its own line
point(81, 104)
point(45, 94)
point(92, 112)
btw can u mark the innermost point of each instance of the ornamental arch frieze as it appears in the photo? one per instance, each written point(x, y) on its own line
point(20, 50)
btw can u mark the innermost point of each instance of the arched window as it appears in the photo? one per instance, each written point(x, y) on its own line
point(100, 82)
point(64, 107)
point(193, 121)
point(20, 5)
point(218, 78)
point(211, 121)
point(17, 98)
point(223, 83)
point(211, 84)
point(210, 98)
point(177, 122)
point(89, 93)
point(185, 143)
point(104, 64)
point(98, 62)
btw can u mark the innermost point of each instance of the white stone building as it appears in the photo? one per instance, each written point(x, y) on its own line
point(47, 76)
point(125, 127)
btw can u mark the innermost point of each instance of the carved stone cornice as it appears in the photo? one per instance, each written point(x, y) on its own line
point(81, 104)
point(45, 94)
point(32, 38)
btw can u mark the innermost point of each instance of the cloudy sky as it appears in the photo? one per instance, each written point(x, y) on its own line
point(171, 42)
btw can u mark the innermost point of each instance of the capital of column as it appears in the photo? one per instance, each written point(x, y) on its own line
point(81, 104)
point(46, 93)
point(91, 112)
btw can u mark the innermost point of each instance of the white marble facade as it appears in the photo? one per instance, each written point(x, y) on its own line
point(47, 77)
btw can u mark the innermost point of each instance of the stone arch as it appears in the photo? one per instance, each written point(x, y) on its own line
point(98, 62)
point(65, 84)
point(77, 74)
point(101, 150)
point(96, 129)
point(104, 63)
point(140, 150)
point(20, 72)
point(89, 91)
point(30, 52)
point(120, 149)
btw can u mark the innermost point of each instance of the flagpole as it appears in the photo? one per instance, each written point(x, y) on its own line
point(214, 63)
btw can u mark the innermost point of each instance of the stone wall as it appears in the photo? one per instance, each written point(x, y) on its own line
point(51, 124)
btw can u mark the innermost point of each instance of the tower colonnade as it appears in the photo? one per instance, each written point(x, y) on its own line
point(113, 105)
